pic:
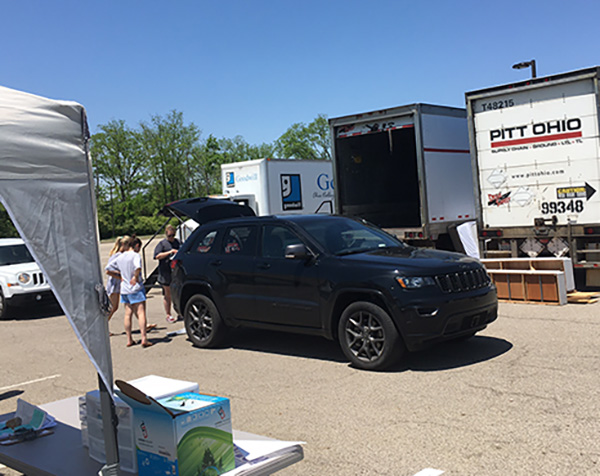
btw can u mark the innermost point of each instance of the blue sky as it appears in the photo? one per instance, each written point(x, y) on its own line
point(253, 68)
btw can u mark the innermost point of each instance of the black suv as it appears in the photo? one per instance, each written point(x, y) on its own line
point(331, 276)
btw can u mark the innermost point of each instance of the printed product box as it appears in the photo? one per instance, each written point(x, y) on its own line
point(90, 415)
point(183, 435)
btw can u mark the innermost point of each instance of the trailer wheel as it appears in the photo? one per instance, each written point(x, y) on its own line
point(203, 323)
point(368, 337)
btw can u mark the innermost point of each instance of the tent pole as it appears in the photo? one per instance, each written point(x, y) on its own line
point(109, 424)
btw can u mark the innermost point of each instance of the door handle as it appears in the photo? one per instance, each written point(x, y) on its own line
point(264, 266)
point(216, 262)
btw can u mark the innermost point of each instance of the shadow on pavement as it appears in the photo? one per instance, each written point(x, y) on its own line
point(455, 354)
point(283, 343)
point(34, 311)
point(10, 394)
point(443, 356)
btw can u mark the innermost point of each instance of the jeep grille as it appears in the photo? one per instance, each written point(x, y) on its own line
point(463, 281)
point(38, 278)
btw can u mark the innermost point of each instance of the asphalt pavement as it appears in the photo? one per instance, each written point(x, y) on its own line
point(522, 397)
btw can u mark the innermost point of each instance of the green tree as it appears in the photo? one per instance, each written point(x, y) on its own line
point(120, 168)
point(169, 143)
point(262, 151)
point(237, 150)
point(234, 150)
point(7, 229)
point(119, 161)
point(208, 158)
point(306, 142)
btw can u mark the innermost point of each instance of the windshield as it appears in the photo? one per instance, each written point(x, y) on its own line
point(341, 236)
point(14, 254)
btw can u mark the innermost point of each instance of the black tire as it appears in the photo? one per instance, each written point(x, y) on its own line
point(3, 306)
point(368, 337)
point(203, 323)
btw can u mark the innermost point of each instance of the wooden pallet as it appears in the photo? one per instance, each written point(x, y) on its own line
point(578, 297)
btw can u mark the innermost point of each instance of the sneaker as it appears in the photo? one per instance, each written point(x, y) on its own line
point(171, 319)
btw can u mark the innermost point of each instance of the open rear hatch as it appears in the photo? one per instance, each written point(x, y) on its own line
point(204, 209)
point(201, 210)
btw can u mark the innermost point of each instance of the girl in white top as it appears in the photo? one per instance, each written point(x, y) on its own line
point(133, 295)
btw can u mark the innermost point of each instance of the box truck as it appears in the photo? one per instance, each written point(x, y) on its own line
point(536, 164)
point(280, 187)
point(406, 169)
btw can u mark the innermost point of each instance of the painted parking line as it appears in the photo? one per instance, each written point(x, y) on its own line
point(429, 472)
point(2, 389)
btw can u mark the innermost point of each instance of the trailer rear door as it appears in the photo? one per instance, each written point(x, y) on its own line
point(376, 172)
point(537, 153)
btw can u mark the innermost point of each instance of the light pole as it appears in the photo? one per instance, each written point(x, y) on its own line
point(527, 64)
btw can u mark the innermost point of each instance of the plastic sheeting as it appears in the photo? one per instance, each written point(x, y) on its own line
point(468, 237)
point(47, 188)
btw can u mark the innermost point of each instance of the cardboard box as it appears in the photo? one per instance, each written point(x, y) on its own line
point(182, 435)
point(90, 416)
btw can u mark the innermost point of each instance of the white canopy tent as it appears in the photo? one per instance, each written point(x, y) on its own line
point(46, 185)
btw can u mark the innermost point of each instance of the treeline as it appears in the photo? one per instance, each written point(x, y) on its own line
point(138, 170)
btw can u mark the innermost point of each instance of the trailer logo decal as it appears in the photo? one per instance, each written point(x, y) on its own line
point(291, 192)
point(497, 178)
point(586, 191)
point(522, 196)
point(549, 131)
point(498, 199)
point(230, 179)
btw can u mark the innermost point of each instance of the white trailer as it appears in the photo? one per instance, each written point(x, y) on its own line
point(535, 151)
point(406, 169)
point(280, 187)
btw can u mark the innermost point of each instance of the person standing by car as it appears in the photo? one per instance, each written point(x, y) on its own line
point(133, 294)
point(164, 252)
point(113, 284)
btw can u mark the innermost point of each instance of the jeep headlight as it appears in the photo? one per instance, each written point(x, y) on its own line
point(414, 282)
point(24, 278)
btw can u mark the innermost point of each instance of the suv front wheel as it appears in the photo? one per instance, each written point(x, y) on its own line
point(203, 323)
point(368, 336)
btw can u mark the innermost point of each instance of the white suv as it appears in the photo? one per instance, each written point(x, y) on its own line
point(21, 280)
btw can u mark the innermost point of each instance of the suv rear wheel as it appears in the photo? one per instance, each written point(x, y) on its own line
point(203, 323)
point(368, 337)
point(2, 305)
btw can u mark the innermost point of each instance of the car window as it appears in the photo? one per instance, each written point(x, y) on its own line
point(340, 235)
point(14, 254)
point(240, 240)
point(204, 243)
point(274, 240)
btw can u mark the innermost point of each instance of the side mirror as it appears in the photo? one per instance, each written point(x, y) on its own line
point(297, 251)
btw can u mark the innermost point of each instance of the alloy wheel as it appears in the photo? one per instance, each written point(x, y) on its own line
point(201, 321)
point(365, 336)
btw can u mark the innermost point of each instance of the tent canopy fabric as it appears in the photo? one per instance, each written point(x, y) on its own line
point(46, 185)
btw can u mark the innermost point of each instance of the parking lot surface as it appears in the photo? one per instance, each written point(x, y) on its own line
point(522, 397)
